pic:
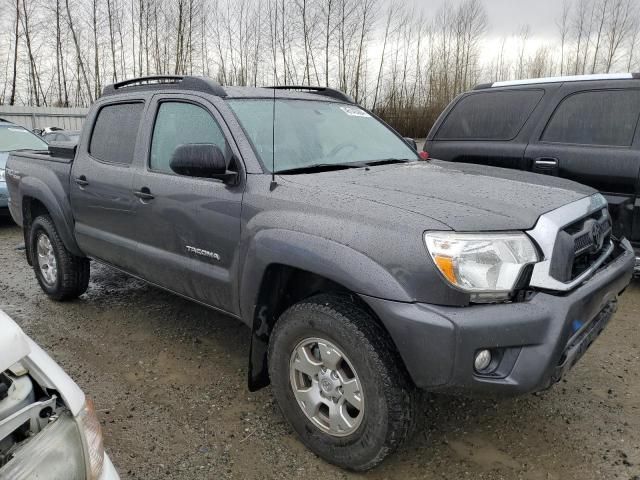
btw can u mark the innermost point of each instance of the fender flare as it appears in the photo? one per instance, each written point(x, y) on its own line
point(58, 207)
point(334, 261)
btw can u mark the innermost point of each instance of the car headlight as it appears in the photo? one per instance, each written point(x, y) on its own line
point(55, 452)
point(69, 448)
point(487, 265)
point(2, 179)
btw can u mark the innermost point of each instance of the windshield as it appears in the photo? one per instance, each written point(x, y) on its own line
point(309, 132)
point(13, 137)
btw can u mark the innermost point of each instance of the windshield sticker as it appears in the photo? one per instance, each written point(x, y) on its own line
point(355, 112)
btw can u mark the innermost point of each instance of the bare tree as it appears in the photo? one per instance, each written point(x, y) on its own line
point(634, 41)
point(79, 60)
point(563, 28)
point(524, 33)
point(16, 37)
point(96, 63)
point(579, 27)
point(33, 69)
point(112, 41)
point(618, 28)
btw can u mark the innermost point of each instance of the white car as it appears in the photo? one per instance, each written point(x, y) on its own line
point(48, 428)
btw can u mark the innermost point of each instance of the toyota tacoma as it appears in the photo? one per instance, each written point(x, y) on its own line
point(365, 274)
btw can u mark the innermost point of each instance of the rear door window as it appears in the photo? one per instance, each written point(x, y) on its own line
point(497, 115)
point(597, 117)
point(113, 139)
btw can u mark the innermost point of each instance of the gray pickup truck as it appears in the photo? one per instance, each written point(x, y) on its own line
point(365, 274)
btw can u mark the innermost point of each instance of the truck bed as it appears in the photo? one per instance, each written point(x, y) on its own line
point(38, 171)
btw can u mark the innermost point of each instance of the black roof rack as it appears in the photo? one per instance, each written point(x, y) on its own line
point(199, 84)
point(324, 91)
point(482, 86)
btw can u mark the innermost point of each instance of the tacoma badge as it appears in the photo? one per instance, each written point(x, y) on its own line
point(203, 253)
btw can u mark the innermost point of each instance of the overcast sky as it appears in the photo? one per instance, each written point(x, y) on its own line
point(507, 17)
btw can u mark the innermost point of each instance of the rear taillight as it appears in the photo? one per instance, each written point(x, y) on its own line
point(424, 155)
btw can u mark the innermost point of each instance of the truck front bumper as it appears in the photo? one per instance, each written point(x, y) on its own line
point(533, 343)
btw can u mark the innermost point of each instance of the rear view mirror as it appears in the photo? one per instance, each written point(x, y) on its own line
point(411, 142)
point(202, 160)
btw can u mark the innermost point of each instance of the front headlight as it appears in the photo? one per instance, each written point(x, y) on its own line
point(55, 452)
point(69, 448)
point(487, 265)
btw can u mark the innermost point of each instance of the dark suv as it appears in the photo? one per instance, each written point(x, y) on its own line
point(584, 128)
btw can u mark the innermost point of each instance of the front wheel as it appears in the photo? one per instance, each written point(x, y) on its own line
point(340, 383)
point(61, 275)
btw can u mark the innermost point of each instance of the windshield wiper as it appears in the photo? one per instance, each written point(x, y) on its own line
point(387, 161)
point(319, 167)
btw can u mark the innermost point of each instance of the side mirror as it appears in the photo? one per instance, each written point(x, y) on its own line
point(202, 160)
point(412, 143)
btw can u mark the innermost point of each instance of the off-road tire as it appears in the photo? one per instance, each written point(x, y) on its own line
point(72, 278)
point(390, 398)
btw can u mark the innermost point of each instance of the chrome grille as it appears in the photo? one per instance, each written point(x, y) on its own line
point(569, 255)
point(589, 236)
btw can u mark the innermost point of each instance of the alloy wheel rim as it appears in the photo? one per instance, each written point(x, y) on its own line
point(326, 387)
point(46, 259)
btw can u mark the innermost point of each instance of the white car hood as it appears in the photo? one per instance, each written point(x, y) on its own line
point(16, 346)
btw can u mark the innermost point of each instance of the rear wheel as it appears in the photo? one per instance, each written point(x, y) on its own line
point(340, 383)
point(62, 275)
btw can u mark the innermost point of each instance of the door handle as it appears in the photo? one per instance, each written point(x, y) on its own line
point(546, 162)
point(82, 181)
point(144, 194)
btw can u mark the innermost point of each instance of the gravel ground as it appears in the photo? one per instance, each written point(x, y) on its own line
point(169, 380)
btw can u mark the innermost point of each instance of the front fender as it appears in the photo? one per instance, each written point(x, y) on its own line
point(331, 260)
point(57, 204)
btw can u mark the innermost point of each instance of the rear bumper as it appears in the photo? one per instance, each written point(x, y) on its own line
point(535, 342)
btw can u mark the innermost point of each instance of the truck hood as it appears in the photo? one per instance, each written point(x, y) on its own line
point(464, 197)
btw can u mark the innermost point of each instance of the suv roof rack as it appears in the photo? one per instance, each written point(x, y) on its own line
point(199, 84)
point(567, 78)
point(324, 91)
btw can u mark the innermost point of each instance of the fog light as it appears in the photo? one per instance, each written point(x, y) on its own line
point(483, 360)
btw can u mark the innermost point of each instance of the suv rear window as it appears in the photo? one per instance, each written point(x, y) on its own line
point(489, 115)
point(114, 134)
point(598, 117)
